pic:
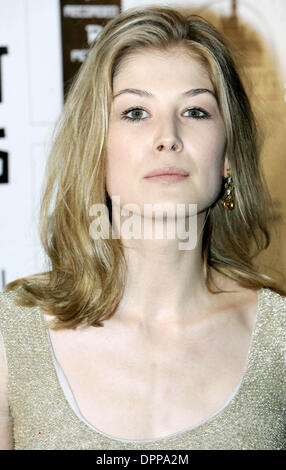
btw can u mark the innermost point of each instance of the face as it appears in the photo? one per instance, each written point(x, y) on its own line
point(161, 117)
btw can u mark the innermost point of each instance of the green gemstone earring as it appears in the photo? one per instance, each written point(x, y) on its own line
point(228, 200)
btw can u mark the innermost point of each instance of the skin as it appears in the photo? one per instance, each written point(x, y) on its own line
point(165, 285)
point(173, 352)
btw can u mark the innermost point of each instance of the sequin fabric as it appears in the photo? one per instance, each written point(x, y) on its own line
point(254, 418)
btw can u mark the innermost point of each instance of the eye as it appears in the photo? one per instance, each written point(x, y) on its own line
point(134, 114)
point(197, 113)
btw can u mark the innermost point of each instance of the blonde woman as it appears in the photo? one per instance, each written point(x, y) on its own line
point(130, 342)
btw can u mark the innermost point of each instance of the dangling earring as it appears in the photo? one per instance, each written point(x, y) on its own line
point(228, 200)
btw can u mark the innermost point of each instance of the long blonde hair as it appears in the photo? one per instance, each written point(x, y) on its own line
point(86, 278)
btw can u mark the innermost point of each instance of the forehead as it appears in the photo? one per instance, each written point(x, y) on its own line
point(153, 67)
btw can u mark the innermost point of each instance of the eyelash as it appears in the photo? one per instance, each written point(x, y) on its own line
point(124, 114)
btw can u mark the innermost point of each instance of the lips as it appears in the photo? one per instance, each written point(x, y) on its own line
point(171, 170)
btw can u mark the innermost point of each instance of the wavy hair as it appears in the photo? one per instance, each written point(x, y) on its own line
point(86, 278)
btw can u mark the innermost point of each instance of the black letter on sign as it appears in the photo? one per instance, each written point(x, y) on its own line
point(3, 167)
point(3, 162)
point(3, 50)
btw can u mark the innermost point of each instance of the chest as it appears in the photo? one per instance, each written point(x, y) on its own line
point(130, 389)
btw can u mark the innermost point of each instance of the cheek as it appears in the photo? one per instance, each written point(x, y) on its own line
point(118, 163)
point(207, 147)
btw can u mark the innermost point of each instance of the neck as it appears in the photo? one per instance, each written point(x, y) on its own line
point(164, 283)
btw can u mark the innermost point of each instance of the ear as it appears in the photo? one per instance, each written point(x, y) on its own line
point(226, 166)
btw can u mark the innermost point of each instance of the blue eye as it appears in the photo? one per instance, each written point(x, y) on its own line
point(197, 113)
point(134, 114)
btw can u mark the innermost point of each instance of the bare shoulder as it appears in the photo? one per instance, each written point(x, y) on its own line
point(6, 434)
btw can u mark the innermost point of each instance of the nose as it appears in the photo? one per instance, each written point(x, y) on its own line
point(167, 138)
point(174, 147)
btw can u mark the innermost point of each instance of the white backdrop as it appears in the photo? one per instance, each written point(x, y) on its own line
point(32, 98)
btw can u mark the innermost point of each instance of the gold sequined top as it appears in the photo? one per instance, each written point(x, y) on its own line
point(253, 418)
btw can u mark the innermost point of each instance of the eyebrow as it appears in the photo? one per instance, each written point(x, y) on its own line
point(192, 92)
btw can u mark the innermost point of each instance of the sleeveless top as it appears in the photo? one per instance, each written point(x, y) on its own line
point(45, 414)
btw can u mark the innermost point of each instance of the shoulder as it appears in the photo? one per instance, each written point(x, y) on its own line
point(273, 303)
point(12, 312)
point(8, 301)
point(272, 316)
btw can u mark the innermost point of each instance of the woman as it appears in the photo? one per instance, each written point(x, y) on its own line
point(152, 344)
